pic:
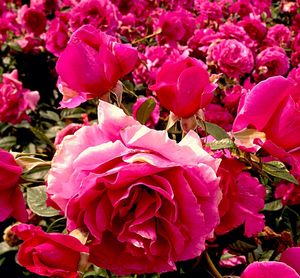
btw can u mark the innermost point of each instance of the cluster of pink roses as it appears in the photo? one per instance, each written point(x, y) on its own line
point(141, 201)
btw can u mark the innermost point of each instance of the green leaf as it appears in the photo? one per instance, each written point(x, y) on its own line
point(214, 130)
point(221, 144)
point(36, 200)
point(75, 113)
point(273, 206)
point(7, 142)
point(277, 169)
point(50, 115)
point(4, 247)
point(145, 110)
point(40, 135)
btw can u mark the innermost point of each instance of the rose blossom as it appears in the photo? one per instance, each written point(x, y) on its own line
point(91, 65)
point(146, 201)
point(279, 35)
point(15, 100)
point(101, 14)
point(232, 57)
point(279, 119)
point(177, 90)
point(254, 27)
point(33, 20)
point(243, 198)
point(288, 267)
point(270, 62)
point(53, 254)
point(57, 37)
point(11, 198)
point(176, 26)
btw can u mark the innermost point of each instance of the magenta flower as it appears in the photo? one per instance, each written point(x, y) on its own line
point(232, 57)
point(146, 201)
point(278, 119)
point(91, 65)
point(288, 267)
point(11, 198)
point(177, 91)
point(271, 62)
point(53, 254)
point(15, 100)
point(243, 198)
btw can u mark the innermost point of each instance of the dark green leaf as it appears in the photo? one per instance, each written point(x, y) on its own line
point(277, 169)
point(221, 144)
point(36, 199)
point(241, 246)
point(214, 130)
point(7, 142)
point(41, 135)
point(145, 110)
point(50, 115)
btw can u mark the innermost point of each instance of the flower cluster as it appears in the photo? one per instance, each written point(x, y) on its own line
point(152, 136)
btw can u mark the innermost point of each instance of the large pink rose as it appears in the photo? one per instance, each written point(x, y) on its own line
point(11, 198)
point(53, 254)
point(177, 90)
point(243, 198)
point(232, 57)
point(146, 201)
point(15, 100)
point(91, 65)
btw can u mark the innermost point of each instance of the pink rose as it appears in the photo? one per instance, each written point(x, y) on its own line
point(33, 20)
point(11, 198)
point(279, 35)
point(270, 62)
point(91, 65)
point(154, 116)
point(243, 198)
point(279, 119)
point(57, 37)
point(146, 201)
point(102, 14)
point(288, 267)
point(53, 254)
point(176, 89)
point(215, 113)
point(177, 26)
point(232, 57)
point(269, 269)
point(254, 27)
point(15, 100)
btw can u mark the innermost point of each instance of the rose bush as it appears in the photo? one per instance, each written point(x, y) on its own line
point(145, 204)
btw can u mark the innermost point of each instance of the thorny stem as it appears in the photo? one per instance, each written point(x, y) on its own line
point(212, 267)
